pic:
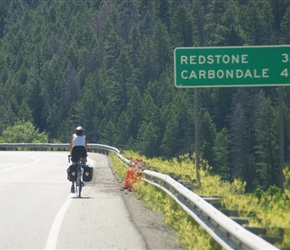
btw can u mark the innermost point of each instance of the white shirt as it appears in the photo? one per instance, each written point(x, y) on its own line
point(78, 140)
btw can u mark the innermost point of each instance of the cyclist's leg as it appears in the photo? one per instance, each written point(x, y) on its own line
point(75, 155)
point(74, 159)
point(72, 189)
point(80, 187)
point(83, 157)
point(83, 153)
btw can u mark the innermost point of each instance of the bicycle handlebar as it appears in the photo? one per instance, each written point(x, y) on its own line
point(69, 157)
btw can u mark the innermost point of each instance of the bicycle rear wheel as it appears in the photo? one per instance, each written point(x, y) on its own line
point(80, 188)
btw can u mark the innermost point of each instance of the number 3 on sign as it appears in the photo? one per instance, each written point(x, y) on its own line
point(284, 73)
point(285, 58)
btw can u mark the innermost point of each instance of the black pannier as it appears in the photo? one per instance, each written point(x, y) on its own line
point(72, 173)
point(88, 173)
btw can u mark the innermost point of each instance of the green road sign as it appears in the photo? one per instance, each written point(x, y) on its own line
point(232, 66)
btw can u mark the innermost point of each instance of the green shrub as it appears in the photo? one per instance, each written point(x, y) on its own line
point(23, 132)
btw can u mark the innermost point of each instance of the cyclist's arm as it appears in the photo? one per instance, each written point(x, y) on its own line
point(70, 147)
point(86, 145)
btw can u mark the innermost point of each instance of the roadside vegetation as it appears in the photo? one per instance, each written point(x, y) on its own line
point(269, 208)
point(23, 132)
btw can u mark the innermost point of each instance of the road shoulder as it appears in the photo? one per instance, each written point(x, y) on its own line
point(156, 234)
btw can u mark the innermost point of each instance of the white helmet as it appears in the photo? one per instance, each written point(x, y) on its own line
point(79, 128)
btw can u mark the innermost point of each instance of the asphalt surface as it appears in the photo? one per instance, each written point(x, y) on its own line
point(38, 212)
point(31, 194)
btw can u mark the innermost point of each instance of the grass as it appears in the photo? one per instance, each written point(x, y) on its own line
point(270, 209)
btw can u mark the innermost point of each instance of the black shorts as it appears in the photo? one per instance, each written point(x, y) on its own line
point(78, 152)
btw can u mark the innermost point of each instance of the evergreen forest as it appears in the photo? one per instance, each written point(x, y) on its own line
point(108, 66)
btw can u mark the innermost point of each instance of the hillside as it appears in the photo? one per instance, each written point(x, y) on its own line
point(108, 65)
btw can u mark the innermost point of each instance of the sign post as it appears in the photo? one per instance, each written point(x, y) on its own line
point(249, 66)
point(232, 66)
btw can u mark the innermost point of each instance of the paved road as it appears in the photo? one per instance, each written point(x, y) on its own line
point(38, 212)
point(32, 190)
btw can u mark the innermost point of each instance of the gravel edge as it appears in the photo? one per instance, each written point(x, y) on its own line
point(156, 234)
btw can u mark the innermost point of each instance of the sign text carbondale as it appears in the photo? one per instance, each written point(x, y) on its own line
point(232, 66)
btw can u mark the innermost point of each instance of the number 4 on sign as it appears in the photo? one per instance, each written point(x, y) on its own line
point(285, 73)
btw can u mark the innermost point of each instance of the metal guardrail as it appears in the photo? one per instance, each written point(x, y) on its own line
point(56, 146)
point(99, 147)
point(228, 233)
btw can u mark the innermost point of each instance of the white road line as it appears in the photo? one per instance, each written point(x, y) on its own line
point(54, 231)
point(35, 160)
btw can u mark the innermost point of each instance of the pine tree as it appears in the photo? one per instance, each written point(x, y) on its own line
point(170, 143)
point(134, 112)
point(182, 28)
point(285, 27)
point(267, 148)
point(221, 155)
point(242, 134)
point(207, 136)
point(122, 82)
point(162, 53)
point(239, 153)
point(123, 132)
point(258, 23)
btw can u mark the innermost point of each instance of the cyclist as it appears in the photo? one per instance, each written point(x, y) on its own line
point(78, 148)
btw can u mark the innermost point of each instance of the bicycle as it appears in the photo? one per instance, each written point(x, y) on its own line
point(78, 184)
